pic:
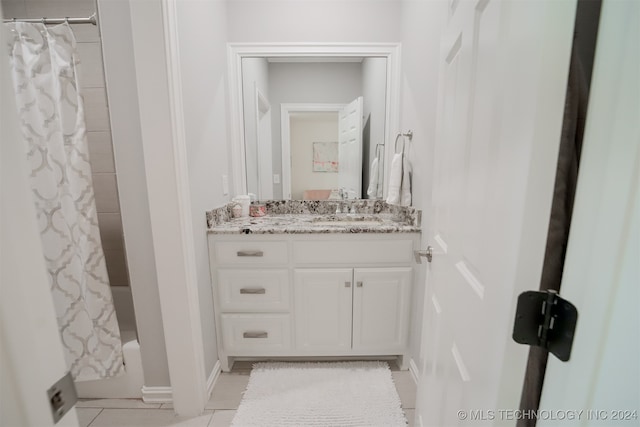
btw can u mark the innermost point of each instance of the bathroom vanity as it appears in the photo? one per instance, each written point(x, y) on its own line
point(301, 282)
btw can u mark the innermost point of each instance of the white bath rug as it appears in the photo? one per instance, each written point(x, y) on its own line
point(320, 394)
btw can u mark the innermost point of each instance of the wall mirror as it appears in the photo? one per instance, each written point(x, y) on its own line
point(308, 121)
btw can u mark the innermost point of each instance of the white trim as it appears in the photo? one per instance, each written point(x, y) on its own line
point(237, 51)
point(160, 394)
point(413, 368)
point(285, 118)
point(213, 377)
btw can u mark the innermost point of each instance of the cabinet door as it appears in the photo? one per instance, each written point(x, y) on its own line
point(381, 308)
point(323, 300)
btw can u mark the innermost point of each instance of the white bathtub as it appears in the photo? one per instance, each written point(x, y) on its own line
point(129, 385)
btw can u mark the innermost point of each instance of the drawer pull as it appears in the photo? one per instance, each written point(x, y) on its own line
point(347, 284)
point(253, 291)
point(359, 284)
point(250, 253)
point(256, 334)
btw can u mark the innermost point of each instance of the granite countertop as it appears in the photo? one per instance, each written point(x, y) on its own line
point(310, 217)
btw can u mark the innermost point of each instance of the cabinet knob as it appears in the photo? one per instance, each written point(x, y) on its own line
point(347, 284)
point(359, 284)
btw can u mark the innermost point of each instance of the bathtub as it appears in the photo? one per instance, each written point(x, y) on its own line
point(129, 385)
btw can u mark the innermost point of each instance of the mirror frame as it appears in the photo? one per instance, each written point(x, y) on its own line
point(237, 51)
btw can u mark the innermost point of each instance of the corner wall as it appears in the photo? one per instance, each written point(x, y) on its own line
point(421, 24)
point(203, 66)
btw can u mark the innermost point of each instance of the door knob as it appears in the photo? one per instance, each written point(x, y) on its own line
point(427, 253)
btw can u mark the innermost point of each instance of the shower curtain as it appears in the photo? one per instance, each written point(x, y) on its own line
point(43, 62)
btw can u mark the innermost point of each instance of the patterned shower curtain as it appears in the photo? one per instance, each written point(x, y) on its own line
point(43, 62)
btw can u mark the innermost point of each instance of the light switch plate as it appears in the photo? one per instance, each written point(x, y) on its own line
point(62, 396)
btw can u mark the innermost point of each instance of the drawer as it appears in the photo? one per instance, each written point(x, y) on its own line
point(250, 253)
point(353, 252)
point(255, 290)
point(258, 333)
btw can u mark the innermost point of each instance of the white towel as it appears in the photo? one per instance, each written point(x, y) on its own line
point(405, 187)
point(372, 191)
point(395, 180)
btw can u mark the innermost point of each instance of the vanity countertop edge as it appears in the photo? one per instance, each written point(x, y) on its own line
point(317, 217)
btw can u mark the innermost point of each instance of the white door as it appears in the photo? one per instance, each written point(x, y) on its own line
point(350, 148)
point(503, 75)
point(602, 268)
point(31, 355)
point(265, 154)
point(323, 300)
point(381, 308)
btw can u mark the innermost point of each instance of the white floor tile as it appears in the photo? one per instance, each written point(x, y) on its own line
point(406, 388)
point(148, 418)
point(86, 415)
point(410, 414)
point(228, 390)
point(116, 404)
point(222, 418)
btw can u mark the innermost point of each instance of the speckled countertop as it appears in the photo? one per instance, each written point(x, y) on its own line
point(308, 217)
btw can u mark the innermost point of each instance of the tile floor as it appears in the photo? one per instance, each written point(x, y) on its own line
point(219, 411)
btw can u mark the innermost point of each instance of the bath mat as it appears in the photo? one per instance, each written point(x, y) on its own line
point(320, 394)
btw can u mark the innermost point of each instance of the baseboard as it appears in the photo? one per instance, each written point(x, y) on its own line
point(413, 368)
point(165, 395)
point(213, 377)
point(161, 394)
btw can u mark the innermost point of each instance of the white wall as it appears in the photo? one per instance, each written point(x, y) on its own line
point(314, 21)
point(202, 36)
point(305, 129)
point(374, 83)
point(255, 74)
point(327, 82)
point(421, 24)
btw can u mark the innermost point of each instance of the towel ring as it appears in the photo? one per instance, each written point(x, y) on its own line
point(409, 135)
point(379, 150)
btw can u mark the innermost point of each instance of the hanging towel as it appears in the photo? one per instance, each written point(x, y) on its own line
point(395, 179)
point(405, 186)
point(372, 191)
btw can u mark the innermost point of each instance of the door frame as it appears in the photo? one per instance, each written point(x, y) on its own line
point(596, 274)
point(286, 110)
point(237, 51)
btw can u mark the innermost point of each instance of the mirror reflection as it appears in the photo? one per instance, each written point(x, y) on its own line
point(314, 128)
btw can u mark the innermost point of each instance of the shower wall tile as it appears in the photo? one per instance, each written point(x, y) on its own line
point(60, 8)
point(106, 192)
point(90, 69)
point(95, 109)
point(86, 34)
point(111, 231)
point(101, 152)
point(116, 267)
point(14, 8)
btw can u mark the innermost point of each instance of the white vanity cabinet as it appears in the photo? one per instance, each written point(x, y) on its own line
point(361, 309)
point(312, 295)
